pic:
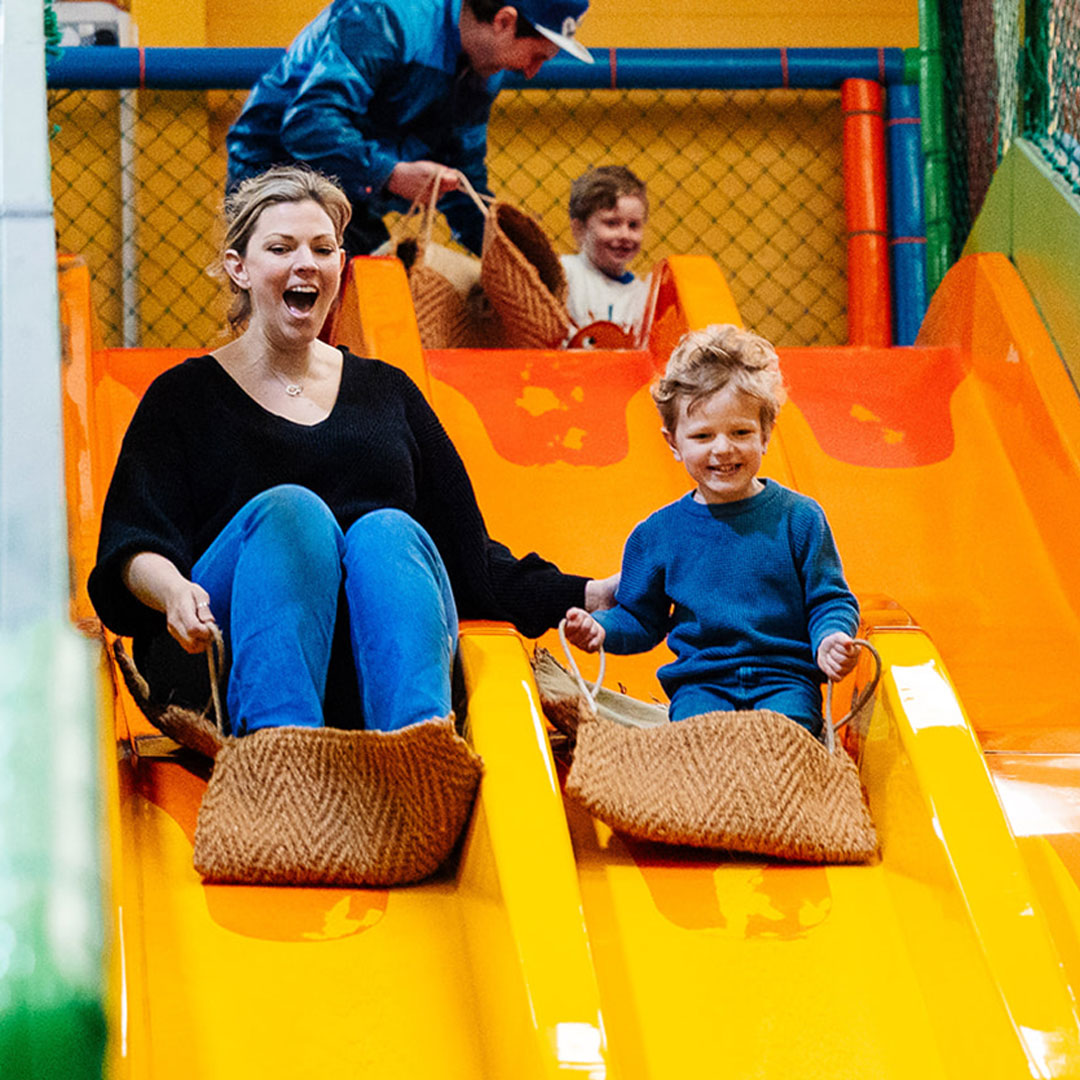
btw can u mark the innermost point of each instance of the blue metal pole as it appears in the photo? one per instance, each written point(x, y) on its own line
point(111, 67)
point(906, 212)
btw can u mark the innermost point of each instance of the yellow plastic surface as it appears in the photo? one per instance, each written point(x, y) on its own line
point(482, 971)
point(553, 948)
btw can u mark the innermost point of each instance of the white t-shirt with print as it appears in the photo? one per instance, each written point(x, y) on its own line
point(595, 297)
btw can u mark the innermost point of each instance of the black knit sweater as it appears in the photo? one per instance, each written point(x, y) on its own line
point(199, 448)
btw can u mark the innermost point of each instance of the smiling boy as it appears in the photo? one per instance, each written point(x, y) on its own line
point(741, 575)
point(608, 211)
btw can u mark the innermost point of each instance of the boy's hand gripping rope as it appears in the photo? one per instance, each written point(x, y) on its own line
point(831, 727)
point(590, 693)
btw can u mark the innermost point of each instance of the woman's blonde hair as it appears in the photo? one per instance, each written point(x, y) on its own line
point(279, 184)
point(707, 360)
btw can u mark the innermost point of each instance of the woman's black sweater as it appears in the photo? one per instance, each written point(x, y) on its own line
point(199, 448)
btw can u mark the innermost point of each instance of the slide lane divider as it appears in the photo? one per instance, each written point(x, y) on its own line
point(520, 895)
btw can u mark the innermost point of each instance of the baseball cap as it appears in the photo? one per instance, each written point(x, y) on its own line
point(558, 21)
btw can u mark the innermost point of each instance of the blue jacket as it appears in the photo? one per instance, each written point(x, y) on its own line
point(365, 85)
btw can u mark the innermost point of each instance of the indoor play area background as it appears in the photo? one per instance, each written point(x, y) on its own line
point(555, 949)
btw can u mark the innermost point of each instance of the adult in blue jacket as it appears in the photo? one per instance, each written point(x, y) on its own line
point(386, 95)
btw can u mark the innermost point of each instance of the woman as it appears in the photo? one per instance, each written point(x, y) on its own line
point(260, 484)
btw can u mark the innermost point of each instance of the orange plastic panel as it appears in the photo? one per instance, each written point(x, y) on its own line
point(375, 316)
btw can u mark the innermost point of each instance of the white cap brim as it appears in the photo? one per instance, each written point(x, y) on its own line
point(574, 48)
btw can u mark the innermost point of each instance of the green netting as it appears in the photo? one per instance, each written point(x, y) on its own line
point(1011, 68)
point(1054, 51)
point(981, 60)
point(752, 178)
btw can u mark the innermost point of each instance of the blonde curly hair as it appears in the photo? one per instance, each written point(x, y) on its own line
point(705, 361)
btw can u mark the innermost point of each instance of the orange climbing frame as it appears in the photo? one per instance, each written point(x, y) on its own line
point(869, 306)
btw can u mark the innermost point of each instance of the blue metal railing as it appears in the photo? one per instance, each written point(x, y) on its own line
point(115, 68)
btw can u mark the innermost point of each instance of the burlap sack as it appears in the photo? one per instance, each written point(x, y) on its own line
point(322, 806)
point(524, 280)
point(443, 282)
point(442, 316)
point(755, 782)
point(197, 731)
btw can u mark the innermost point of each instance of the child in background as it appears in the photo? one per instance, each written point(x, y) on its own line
point(741, 575)
point(608, 210)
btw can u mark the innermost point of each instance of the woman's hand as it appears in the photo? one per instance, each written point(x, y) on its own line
point(189, 618)
point(157, 582)
point(837, 656)
point(412, 180)
point(583, 630)
point(600, 593)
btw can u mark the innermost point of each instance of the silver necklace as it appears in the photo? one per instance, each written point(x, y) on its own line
point(293, 389)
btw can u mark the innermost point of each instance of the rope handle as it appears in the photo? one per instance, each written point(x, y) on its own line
point(483, 202)
point(215, 661)
point(590, 692)
point(831, 727)
point(424, 205)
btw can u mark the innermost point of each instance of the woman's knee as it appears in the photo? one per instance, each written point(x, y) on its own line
point(388, 534)
point(296, 532)
point(294, 511)
point(387, 525)
point(388, 548)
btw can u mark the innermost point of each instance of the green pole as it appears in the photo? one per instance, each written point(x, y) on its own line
point(925, 66)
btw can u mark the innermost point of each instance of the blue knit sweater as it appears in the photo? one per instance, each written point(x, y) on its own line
point(755, 583)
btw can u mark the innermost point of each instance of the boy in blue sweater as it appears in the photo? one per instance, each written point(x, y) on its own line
point(741, 575)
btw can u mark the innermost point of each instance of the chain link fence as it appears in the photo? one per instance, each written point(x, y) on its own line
point(1012, 67)
point(752, 178)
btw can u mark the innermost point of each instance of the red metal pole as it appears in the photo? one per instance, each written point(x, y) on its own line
point(869, 306)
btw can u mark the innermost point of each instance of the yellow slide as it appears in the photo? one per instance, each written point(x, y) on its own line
point(554, 948)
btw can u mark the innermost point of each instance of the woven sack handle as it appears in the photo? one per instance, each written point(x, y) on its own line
point(424, 206)
point(590, 693)
point(483, 202)
point(215, 661)
point(831, 727)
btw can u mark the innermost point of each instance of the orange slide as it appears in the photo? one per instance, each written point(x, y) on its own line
point(950, 472)
point(553, 948)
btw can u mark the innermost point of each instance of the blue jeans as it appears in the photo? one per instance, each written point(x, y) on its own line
point(750, 688)
point(274, 576)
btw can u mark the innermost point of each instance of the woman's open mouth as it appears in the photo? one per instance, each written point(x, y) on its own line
point(301, 301)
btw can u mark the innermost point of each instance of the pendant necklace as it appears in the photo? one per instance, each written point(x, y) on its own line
point(293, 389)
